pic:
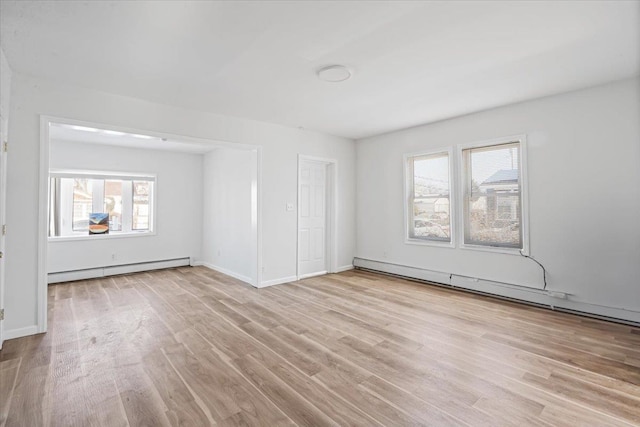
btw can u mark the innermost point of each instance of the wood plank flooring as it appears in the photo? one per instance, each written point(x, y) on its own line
point(190, 346)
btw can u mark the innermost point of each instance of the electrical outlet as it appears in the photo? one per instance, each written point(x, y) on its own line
point(290, 207)
point(114, 257)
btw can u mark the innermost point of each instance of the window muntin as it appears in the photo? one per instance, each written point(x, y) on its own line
point(492, 196)
point(429, 198)
point(76, 194)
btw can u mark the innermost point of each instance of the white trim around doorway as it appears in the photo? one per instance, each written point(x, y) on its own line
point(45, 121)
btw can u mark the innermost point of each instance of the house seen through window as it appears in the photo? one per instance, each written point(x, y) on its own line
point(492, 196)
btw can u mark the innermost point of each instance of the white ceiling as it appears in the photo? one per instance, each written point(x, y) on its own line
point(413, 62)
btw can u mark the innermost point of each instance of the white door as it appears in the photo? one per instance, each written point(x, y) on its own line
point(312, 218)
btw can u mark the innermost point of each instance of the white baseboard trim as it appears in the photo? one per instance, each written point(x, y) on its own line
point(318, 273)
point(289, 279)
point(20, 332)
point(222, 270)
point(505, 290)
point(344, 268)
point(92, 273)
point(280, 281)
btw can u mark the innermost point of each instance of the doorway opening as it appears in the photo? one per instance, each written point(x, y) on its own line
point(149, 184)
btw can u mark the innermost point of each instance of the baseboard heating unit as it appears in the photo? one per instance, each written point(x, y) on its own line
point(112, 270)
point(551, 299)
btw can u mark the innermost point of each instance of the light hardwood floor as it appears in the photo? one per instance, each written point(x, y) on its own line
point(190, 346)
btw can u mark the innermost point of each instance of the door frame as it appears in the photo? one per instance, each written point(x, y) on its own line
point(43, 205)
point(3, 213)
point(331, 192)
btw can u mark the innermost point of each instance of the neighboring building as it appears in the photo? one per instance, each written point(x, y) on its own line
point(501, 190)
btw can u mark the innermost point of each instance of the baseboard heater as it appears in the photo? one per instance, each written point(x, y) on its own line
point(519, 294)
point(112, 270)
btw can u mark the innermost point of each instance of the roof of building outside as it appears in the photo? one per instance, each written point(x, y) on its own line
point(502, 176)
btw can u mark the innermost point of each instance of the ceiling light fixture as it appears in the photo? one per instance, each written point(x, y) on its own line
point(113, 132)
point(135, 135)
point(334, 73)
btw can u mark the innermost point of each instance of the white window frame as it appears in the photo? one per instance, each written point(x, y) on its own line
point(98, 203)
point(408, 194)
point(524, 194)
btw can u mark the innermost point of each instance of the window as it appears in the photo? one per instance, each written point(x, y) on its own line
point(491, 192)
point(429, 201)
point(492, 188)
point(74, 196)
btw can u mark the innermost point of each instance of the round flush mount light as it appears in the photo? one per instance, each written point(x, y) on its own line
point(136, 135)
point(334, 73)
point(113, 132)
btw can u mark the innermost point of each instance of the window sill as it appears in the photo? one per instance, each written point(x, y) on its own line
point(96, 237)
point(496, 249)
point(435, 243)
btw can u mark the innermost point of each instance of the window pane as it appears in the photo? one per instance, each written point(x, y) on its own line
point(113, 203)
point(141, 208)
point(82, 203)
point(492, 196)
point(430, 210)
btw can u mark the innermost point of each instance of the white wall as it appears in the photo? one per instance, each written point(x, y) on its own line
point(178, 193)
point(5, 91)
point(281, 146)
point(584, 195)
point(229, 239)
